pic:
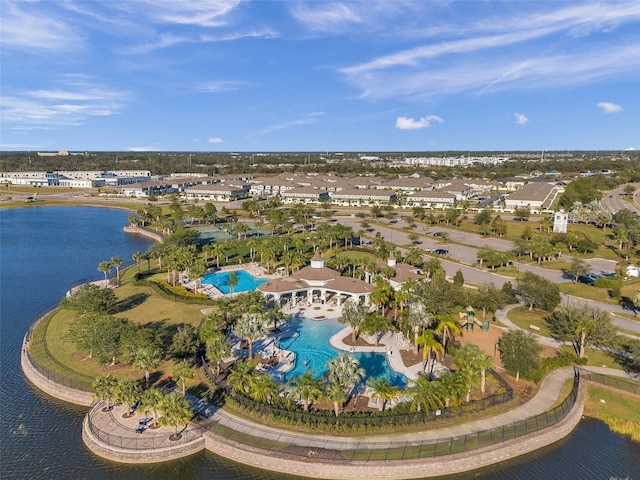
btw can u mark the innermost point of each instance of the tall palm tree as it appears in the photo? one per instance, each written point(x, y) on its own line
point(137, 257)
point(384, 390)
point(382, 294)
point(147, 358)
point(263, 388)
point(469, 375)
point(447, 328)
point(104, 388)
point(429, 344)
point(275, 316)
point(128, 392)
point(232, 281)
point(354, 314)
point(183, 372)
point(426, 394)
point(307, 387)
point(176, 411)
point(419, 318)
point(250, 328)
point(336, 394)
point(483, 361)
point(117, 262)
point(452, 388)
point(151, 401)
point(241, 375)
point(344, 370)
point(217, 348)
point(376, 324)
point(105, 267)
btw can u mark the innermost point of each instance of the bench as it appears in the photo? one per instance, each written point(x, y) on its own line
point(534, 328)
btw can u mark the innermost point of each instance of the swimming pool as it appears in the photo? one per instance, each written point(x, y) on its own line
point(246, 281)
point(313, 350)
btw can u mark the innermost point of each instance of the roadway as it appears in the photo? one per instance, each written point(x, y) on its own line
point(615, 201)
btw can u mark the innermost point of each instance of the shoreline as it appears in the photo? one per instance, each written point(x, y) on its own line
point(312, 466)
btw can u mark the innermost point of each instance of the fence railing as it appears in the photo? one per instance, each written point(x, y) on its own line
point(73, 379)
point(147, 440)
point(350, 449)
point(367, 421)
point(619, 383)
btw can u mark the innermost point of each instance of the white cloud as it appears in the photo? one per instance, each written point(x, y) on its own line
point(406, 123)
point(327, 16)
point(630, 149)
point(28, 28)
point(521, 118)
point(72, 105)
point(215, 140)
point(608, 107)
point(309, 118)
point(204, 13)
point(220, 86)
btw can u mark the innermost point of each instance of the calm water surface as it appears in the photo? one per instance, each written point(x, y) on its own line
point(44, 250)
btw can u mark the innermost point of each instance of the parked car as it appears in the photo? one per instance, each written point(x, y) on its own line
point(441, 251)
point(586, 280)
point(437, 234)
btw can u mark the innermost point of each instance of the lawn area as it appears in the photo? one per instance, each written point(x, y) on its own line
point(618, 409)
point(595, 358)
point(138, 304)
point(522, 317)
point(587, 291)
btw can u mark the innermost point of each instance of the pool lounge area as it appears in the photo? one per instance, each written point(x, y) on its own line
point(220, 280)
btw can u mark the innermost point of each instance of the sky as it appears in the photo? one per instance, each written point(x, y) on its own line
point(356, 76)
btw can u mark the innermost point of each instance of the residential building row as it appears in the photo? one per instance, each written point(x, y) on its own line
point(407, 191)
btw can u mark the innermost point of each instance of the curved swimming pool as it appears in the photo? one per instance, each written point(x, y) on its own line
point(313, 350)
point(246, 281)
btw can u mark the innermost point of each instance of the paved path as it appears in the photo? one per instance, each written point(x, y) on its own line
point(547, 395)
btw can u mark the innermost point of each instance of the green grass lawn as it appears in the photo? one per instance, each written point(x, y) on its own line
point(619, 410)
point(522, 317)
point(587, 291)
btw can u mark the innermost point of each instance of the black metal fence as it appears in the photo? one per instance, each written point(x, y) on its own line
point(71, 378)
point(146, 440)
point(619, 383)
point(352, 449)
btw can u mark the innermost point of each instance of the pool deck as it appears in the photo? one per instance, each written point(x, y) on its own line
point(213, 293)
point(390, 343)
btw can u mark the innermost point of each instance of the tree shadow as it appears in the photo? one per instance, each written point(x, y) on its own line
point(199, 390)
point(131, 302)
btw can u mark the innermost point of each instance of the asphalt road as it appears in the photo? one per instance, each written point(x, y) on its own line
point(615, 201)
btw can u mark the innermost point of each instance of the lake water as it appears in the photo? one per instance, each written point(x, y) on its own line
point(44, 250)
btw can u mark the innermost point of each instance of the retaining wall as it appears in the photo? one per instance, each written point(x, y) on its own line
point(405, 469)
point(121, 455)
point(50, 387)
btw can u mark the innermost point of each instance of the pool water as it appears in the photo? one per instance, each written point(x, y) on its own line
point(246, 281)
point(313, 350)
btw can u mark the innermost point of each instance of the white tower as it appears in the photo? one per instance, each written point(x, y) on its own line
point(560, 220)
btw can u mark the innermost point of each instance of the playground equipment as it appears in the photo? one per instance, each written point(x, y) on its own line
point(468, 320)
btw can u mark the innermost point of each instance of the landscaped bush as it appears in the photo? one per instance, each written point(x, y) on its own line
point(612, 284)
point(177, 294)
point(548, 365)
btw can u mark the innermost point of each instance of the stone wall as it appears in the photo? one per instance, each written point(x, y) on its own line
point(402, 469)
point(52, 388)
point(121, 455)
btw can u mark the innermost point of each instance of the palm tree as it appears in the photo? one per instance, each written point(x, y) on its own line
point(429, 344)
point(117, 262)
point(249, 328)
point(308, 388)
point(414, 256)
point(354, 314)
point(232, 281)
point(275, 316)
point(128, 392)
point(336, 394)
point(104, 267)
point(217, 250)
point(151, 401)
point(468, 375)
point(447, 328)
point(104, 388)
point(263, 388)
point(382, 294)
point(483, 361)
point(176, 411)
point(137, 257)
point(217, 348)
point(344, 370)
point(452, 388)
point(376, 324)
point(426, 394)
point(182, 373)
point(384, 390)
point(147, 358)
point(419, 318)
point(241, 375)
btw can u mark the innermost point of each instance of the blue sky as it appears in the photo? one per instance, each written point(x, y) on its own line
point(206, 75)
